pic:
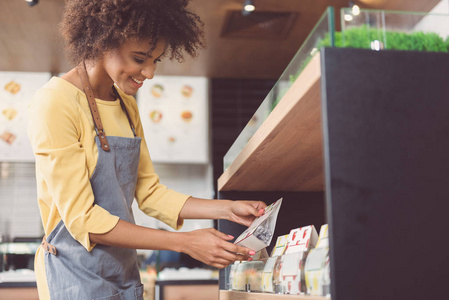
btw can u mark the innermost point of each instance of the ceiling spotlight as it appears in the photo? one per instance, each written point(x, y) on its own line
point(32, 2)
point(355, 8)
point(349, 14)
point(248, 7)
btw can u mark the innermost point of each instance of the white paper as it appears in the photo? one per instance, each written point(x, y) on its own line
point(174, 114)
point(267, 222)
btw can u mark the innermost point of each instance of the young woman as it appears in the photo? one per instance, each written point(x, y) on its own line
point(92, 159)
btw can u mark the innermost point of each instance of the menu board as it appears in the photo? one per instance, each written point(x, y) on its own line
point(16, 91)
point(174, 113)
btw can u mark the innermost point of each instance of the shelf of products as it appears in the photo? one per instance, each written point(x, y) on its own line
point(233, 295)
point(372, 119)
point(285, 134)
point(290, 139)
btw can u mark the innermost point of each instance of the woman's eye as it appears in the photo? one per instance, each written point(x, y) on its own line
point(138, 60)
point(157, 60)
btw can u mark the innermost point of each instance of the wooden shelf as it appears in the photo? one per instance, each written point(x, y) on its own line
point(285, 154)
point(233, 295)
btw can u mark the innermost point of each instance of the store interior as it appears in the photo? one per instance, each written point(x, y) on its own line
point(196, 113)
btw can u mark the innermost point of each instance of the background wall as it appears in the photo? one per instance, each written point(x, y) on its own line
point(19, 213)
point(233, 103)
point(435, 24)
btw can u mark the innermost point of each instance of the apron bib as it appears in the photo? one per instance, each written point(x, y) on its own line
point(105, 273)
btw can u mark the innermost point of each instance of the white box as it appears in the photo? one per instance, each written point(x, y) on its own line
point(260, 232)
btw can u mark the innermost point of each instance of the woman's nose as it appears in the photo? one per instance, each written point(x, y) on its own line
point(148, 71)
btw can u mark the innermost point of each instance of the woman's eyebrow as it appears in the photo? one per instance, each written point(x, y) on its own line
point(146, 54)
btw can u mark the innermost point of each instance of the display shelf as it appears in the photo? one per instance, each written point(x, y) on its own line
point(233, 295)
point(285, 153)
point(372, 125)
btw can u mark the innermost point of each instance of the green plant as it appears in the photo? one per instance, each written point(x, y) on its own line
point(363, 36)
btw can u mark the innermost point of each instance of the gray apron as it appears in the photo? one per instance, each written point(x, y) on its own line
point(106, 273)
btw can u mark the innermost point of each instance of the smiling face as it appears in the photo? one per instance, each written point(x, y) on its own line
point(132, 63)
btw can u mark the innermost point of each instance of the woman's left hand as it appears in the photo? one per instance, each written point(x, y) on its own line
point(244, 212)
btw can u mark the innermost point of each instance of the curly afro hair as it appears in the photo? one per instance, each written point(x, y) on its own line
point(90, 28)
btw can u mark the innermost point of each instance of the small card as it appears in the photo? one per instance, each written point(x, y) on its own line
point(301, 239)
point(281, 244)
point(259, 234)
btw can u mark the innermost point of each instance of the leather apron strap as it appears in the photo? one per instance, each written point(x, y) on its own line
point(81, 68)
point(48, 247)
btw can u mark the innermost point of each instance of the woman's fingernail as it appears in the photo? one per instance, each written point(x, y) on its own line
point(230, 236)
point(250, 259)
point(261, 211)
point(252, 252)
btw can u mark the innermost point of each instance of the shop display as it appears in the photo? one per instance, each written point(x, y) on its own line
point(315, 264)
point(231, 278)
point(174, 112)
point(17, 89)
point(247, 276)
point(302, 268)
point(326, 277)
point(268, 271)
point(301, 239)
point(283, 272)
point(280, 246)
point(370, 29)
point(260, 232)
point(300, 242)
point(239, 280)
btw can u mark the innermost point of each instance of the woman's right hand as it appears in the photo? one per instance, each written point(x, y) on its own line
point(213, 248)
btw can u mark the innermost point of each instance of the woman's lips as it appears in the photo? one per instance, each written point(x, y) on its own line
point(137, 83)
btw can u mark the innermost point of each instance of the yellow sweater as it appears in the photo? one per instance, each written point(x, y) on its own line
point(62, 135)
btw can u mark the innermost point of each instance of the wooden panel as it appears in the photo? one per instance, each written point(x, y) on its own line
point(285, 154)
point(191, 292)
point(26, 293)
point(232, 295)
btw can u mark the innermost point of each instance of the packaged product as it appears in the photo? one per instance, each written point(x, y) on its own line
point(259, 234)
point(316, 262)
point(300, 242)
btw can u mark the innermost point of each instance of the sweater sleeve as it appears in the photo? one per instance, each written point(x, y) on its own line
point(54, 131)
point(155, 199)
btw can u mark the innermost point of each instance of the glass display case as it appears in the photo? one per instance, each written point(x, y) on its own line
point(393, 30)
point(15, 256)
point(321, 35)
point(265, 152)
point(17, 264)
point(363, 28)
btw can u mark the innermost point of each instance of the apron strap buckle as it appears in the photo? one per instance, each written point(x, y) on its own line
point(48, 247)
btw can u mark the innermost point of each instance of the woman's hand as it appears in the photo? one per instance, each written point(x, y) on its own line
point(213, 248)
point(244, 212)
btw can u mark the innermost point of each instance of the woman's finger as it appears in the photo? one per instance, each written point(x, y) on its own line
point(238, 249)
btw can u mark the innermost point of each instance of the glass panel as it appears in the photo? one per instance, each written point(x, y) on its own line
point(393, 30)
point(321, 35)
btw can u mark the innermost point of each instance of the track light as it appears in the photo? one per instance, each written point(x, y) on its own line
point(32, 2)
point(248, 7)
point(355, 8)
point(355, 11)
